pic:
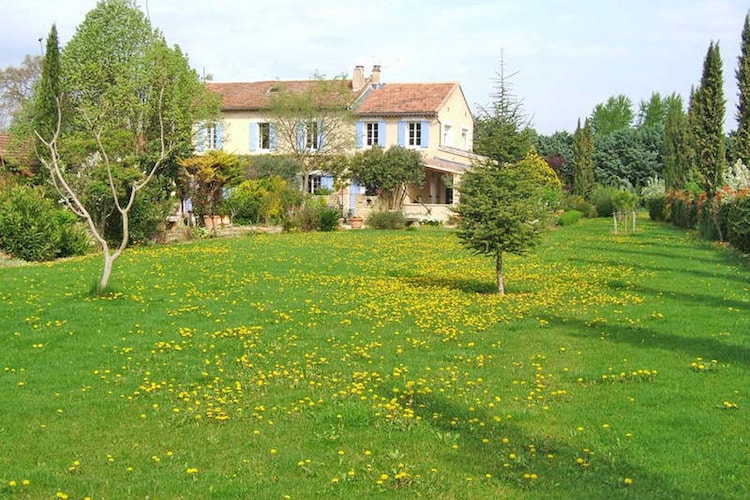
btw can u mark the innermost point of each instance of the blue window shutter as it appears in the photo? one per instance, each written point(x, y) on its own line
point(254, 137)
point(360, 134)
point(425, 134)
point(200, 143)
point(320, 135)
point(300, 136)
point(326, 181)
point(219, 135)
point(402, 134)
point(381, 134)
point(272, 136)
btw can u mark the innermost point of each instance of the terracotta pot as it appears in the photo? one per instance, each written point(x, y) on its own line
point(355, 222)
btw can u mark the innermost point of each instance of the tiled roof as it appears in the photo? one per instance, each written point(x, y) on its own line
point(15, 154)
point(405, 99)
point(387, 100)
point(256, 96)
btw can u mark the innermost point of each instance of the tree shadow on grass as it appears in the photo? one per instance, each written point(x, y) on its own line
point(464, 285)
point(560, 475)
point(641, 266)
point(647, 338)
point(719, 257)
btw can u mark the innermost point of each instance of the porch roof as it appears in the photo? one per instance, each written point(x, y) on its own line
point(447, 166)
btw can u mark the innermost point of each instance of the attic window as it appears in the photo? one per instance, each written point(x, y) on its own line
point(273, 89)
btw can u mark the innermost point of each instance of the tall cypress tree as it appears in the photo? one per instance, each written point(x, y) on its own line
point(742, 145)
point(676, 154)
point(583, 158)
point(708, 134)
point(48, 91)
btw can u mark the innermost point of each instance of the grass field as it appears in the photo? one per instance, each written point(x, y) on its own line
point(376, 364)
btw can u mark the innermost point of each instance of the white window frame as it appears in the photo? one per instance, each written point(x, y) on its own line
point(414, 134)
point(372, 134)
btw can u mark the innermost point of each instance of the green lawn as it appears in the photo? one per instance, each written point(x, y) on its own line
point(378, 364)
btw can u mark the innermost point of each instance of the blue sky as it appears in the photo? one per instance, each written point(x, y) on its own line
point(569, 54)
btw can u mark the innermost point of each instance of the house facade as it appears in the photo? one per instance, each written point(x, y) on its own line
point(432, 118)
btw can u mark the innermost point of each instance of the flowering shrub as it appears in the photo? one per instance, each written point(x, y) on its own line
point(682, 208)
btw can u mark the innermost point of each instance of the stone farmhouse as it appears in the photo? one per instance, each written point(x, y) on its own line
point(433, 118)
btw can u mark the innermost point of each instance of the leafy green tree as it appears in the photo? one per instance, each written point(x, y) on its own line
point(676, 153)
point(127, 104)
point(505, 208)
point(388, 173)
point(206, 176)
point(583, 160)
point(501, 130)
point(286, 167)
point(17, 87)
point(313, 121)
point(708, 134)
point(654, 111)
point(742, 139)
point(615, 114)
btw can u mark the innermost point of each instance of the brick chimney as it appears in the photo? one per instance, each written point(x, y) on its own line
point(375, 78)
point(358, 77)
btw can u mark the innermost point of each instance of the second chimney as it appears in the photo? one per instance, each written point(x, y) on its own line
point(375, 78)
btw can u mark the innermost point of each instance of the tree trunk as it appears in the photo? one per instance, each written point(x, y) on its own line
point(109, 261)
point(499, 269)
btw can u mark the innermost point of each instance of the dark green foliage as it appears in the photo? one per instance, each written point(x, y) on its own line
point(33, 228)
point(742, 73)
point(676, 147)
point(329, 219)
point(657, 207)
point(708, 124)
point(583, 160)
point(738, 223)
point(503, 208)
point(386, 220)
point(286, 167)
point(570, 217)
point(629, 156)
point(388, 172)
point(49, 91)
